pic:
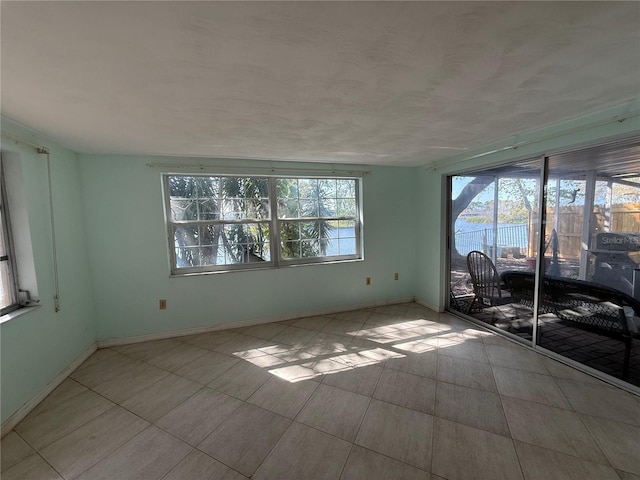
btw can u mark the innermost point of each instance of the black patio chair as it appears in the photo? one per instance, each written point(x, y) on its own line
point(487, 287)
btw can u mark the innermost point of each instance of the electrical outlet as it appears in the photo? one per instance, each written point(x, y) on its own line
point(367, 281)
point(396, 276)
point(163, 304)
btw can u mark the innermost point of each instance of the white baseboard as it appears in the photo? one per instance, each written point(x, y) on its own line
point(424, 303)
point(23, 411)
point(117, 342)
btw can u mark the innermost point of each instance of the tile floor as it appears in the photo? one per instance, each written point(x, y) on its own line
point(396, 392)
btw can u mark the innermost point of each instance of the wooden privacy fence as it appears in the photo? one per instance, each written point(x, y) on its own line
point(622, 217)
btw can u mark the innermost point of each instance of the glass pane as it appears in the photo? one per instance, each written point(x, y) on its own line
point(347, 246)
point(308, 188)
point(186, 236)
point(287, 188)
point(590, 298)
point(288, 208)
point(495, 214)
point(208, 209)
point(215, 198)
point(346, 188)
point(346, 207)
point(182, 187)
point(327, 188)
point(187, 257)
point(183, 209)
point(309, 208)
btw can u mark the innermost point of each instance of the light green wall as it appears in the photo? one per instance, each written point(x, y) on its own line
point(130, 267)
point(431, 181)
point(113, 253)
point(37, 346)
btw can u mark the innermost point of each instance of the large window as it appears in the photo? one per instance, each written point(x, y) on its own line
point(557, 267)
point(8, 290)
point(220, 223)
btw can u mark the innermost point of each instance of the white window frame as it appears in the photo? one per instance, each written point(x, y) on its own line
point(5, 230)
point(274, 221)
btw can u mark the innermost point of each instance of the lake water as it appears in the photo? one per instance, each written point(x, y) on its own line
point(472, 236)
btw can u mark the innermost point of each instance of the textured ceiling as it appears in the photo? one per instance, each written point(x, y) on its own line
point(389, 83)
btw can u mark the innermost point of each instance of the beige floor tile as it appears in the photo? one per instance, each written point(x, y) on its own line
point(382, 319)
point(535, 387)
point(397, 432)
point(620, 442)
point(342, 326)
point(198, 466)
point(543, 464)
point(149, 456)
point(627, 476)
point(601, 401)
point(298, 355)
point(304, 453)
point(244, 439)
point(382, 334)
point(266, 361)
point(419, 346)
point(324, 343)
point(362, 380)
point(121, 380)
point(406, 390)
point(102, 365)
point(364, 464)
point(265, 331)
point(311, 323)
point(67, 389)
point(31, 468)
point(98, 356)
point(176, 358)
point(452, 346)
point(495, 339)
point(469, 406)
point(423, 364)
point(42, 427)
point(466, 373)
point(241, 380)
point(560, 370)
point(367, 356)
point(160, 398)
point(283, 397)
point(145, 350)
point(210, 339)
point(294, 336)
point(398, 309)
point(13, 450)
point(196, 418)
point(207, 367)
point(84, 447)
point(335, 411)
point(312, 370)
point(515, 357)
point(358, 316)
point(465, 453)
point(550, 427)
point(242, 346)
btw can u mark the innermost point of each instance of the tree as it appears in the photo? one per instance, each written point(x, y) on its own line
point(201, 198)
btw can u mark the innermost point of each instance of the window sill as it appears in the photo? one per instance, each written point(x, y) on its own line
point(268, 267)
point(18, 313)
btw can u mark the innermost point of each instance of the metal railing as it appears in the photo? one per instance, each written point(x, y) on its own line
point(515, 236)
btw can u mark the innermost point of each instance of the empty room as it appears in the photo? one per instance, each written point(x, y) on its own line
point(320, 240)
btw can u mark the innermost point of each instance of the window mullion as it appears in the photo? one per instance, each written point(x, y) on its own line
point(274, 226)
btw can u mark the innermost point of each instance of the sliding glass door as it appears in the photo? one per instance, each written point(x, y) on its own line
point(592, 280)
point(493, 229)
point(573, 290)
